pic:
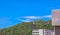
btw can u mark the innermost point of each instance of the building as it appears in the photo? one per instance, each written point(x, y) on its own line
point(56, 21)
point(48, 32)
point(42, 32)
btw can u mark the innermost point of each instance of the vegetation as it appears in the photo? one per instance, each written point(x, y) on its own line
point(25, 28)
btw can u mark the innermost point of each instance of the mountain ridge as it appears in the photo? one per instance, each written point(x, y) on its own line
point(25, 28)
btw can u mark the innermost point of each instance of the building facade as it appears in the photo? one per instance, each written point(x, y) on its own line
point(42, 32)
point(56, 21)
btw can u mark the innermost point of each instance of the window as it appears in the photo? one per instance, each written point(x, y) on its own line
point(35, 33)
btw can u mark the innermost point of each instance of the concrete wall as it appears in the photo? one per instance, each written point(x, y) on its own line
point(40, 31)
point(56, 17)
point(37, 31)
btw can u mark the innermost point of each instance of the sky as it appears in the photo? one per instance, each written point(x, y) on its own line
point(13, 12)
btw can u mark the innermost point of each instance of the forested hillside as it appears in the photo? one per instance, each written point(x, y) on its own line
point(25, 28)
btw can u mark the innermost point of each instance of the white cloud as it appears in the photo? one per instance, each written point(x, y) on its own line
point(38, 17)
point(23, 20)
point(26, 20)
point(30, 18)
point(48, 16)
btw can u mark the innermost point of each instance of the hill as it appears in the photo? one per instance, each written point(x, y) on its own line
point(25, 28)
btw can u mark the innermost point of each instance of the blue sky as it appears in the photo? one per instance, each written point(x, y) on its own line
point(13, 12)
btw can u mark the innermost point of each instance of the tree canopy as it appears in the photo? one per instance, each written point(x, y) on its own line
point(25, 28)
